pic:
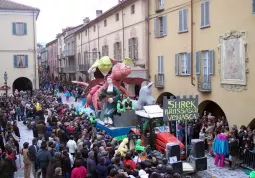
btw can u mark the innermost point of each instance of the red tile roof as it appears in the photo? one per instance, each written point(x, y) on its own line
point(10, 5)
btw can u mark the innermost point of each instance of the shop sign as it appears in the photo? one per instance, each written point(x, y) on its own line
point(180, 109)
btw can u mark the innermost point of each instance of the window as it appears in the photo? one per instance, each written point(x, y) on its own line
point(94, 28)
point(19, 28)
point(160, 26)
point(159, 5)
point(86, 57)
point(207, 62)
point(105, 22)
point(132, 9)
point(205, 14)
point(133, 48)
point(183, 23)
point(79, 36)
point(94, 54)
point(105, 50)
point(117, 51)
point(117, 17)
point(86, 32)
point(183, 64)
point(160, 64)
point(79, 58)
point(253, 6)
point(20, 61)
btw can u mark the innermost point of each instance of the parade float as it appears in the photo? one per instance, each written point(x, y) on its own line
point(117, 112)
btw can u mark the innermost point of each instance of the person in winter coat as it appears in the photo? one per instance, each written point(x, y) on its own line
point(53, 164)
point(32, 151)
point(91, 164)
point(58, 173)
point(71, 144)
point(26, 160)
point(67, 95)
point(79, 171)
point(102, 170)
point(65, 164)
point(234, 149)
point(129, 161)
point(43, 157)
point(7, 166)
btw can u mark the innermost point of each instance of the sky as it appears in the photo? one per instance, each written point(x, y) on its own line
point(58, 14)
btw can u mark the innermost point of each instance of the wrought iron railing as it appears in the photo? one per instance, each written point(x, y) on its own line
point(70, 69)
point(159, 81)
point(60, 70)
point(69, 52)
point(84, 67)
point(204, 83)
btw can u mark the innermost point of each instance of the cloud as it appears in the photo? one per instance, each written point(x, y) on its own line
point(58, 14)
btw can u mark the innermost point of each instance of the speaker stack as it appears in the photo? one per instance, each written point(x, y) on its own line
point(197, 157)
point(173, 153)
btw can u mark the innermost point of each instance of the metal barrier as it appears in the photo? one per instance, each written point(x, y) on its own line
point(247, 159)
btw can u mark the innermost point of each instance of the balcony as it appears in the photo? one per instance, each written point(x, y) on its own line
point(83, 68)
point(159, 81)
point(70, 69)
point(204, 83)
point(69, 52)
point(60, 70)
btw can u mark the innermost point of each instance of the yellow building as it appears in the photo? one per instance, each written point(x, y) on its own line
point(18, 46)
point(204, 47)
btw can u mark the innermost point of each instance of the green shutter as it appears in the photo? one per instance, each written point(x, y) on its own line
point(25, 28)
point(26, 61)
point(129, 49)
point(164, 25)
point(155, 28)
point(253, 6)
point(203, 14)
point(211, 62)
point(114, 51)
point(180, 20)
point(198, 62)
point(176, 64)
point(189, 64)
point(14, 28)
point(136, 48)
point(15, 61)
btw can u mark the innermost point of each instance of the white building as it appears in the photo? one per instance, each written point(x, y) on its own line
point(18, 45)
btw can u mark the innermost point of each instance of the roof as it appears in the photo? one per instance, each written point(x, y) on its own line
point(10, 5)
point(75, 29)
point(120, 5)
point(51, 42)
point(68, 31)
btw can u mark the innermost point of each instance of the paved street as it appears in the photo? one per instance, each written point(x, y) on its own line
point(27, 136)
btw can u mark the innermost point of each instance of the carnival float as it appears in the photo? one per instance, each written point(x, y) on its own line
point(119, 113)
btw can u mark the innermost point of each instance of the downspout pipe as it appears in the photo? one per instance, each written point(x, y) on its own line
point(123, 33)
point(35, 49)
point(148, 42)
point(191, 44)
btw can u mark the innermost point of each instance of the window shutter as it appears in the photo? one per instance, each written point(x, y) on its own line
point(164, 25)
point(211, 62)
point(198, 62)
point(202, 15)
point(180, 20)
point(253, 6)
point(189, 63)
point(14, 28)
point(162, 65)
point(207, 13)
point(129, 49)
point(15, 61)
point(176, 64)
point(120, 51)
point(25, 28)
point(159, 64)
point(155, 28)
point(26, 61)
point(136, 48)
point(185, 19)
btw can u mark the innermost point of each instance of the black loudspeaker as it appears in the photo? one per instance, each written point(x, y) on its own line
point(197, 148)
point(199, 164)
point(173, 149)
point(177, 167)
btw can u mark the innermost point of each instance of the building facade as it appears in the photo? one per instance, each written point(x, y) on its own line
point(205, 48)
point(43, 63)
point(120, 32)
point(52, 49)
point(18, 45)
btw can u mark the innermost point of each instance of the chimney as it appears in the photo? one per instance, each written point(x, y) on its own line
point(99, 12)
point(120, 1)
point(86, 21)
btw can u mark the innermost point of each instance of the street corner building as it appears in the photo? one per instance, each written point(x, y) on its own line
point(18, 45)
point(205, 48)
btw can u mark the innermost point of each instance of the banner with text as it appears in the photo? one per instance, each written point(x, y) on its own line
point(180, 108)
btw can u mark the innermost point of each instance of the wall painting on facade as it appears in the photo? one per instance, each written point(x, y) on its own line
point(233, 61)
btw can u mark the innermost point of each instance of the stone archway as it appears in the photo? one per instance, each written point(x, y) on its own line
point(160, 98)
point(252, 124)
point(211, 107)
point(22, 83)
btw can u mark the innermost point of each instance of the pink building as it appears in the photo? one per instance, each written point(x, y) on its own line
point(52, 48)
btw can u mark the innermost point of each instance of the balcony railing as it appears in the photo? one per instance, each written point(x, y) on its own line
point(70, 69)
point(159, 81)
point(204, 83)
point(84, 67)
point(69, 52)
